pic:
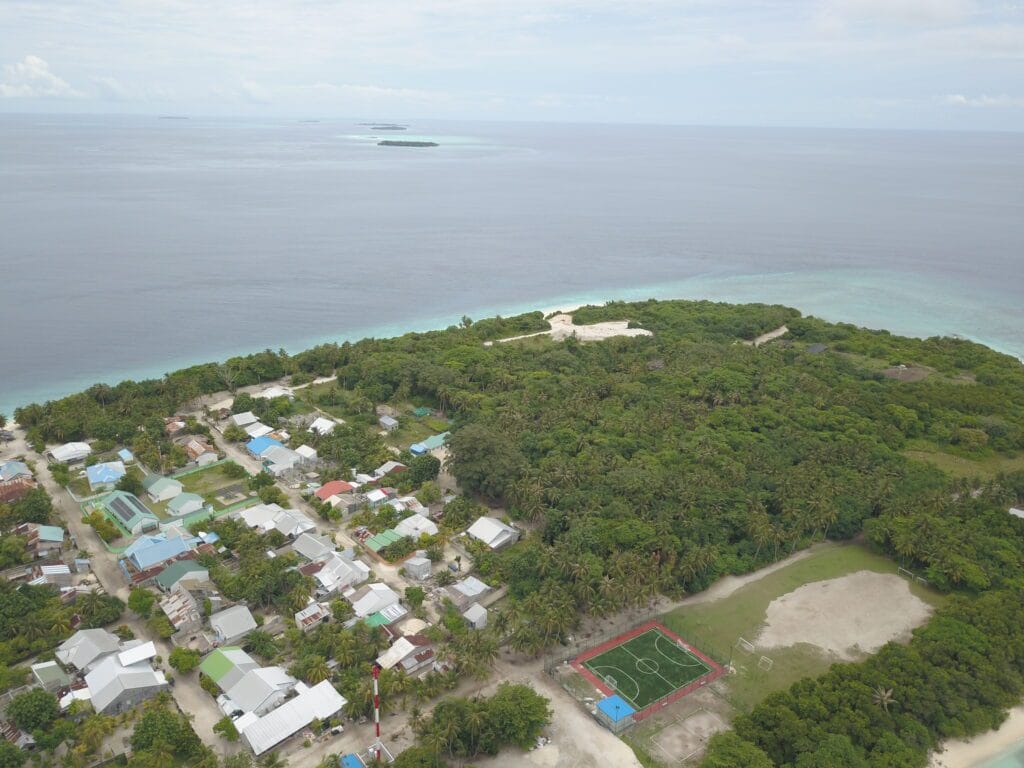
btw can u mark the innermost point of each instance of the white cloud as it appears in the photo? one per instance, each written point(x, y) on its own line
point(31, 78)
point(907, 12)
point(960, 100)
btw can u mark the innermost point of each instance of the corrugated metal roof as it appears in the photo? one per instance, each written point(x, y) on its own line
point(319, 702)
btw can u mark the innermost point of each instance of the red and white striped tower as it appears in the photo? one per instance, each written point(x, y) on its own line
point(376, 699)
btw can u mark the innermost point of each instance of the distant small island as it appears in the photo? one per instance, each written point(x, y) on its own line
point(395, 143)
point(387, 127)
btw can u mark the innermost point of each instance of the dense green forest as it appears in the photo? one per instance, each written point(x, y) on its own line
point(658, 464)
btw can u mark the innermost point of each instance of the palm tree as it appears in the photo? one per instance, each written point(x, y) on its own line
point(883, 697)
point(318, 671)
point(273, 760)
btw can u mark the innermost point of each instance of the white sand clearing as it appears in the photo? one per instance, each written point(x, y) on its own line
point(848, 617)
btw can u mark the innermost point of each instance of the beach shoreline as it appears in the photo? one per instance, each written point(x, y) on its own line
point(696, 288)
point(976, 752)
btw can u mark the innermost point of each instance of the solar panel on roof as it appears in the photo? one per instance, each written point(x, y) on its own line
point(122, 510)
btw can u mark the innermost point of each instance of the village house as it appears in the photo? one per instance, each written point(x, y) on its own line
point(41, 540)
point(15, 490)
point(70, 453)
point(231, 625)
point(313, 615)
point(103, 477)
point(161, 488)
point(413, 654)
point(318, 702)
point(84, 648)
point(185, 504)
point(492, 532)
point(182, 610)
point(129, 512)
point(122, 681)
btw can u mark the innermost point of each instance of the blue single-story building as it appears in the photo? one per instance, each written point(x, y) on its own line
point(615, 713)
point(258, 445)
point(147, 551)
point(125, 455)
point(104, 476)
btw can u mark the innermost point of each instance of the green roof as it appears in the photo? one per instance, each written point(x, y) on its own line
point(156, 483)
point(382, 539)
point(169, 575)
point(126, 509)
point(435, 441)
point(217, 664)
point(50, 533)
point(376, 620)
point(422, 411)
point(181, 499)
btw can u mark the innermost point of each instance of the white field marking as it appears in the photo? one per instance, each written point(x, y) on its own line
point(628, 677)
point(650, 666)
point(671, 685)
point(698, 662)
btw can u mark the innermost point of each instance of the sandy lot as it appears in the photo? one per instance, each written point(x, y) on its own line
point(577, 741)
point(562, 328)
point(848, 616)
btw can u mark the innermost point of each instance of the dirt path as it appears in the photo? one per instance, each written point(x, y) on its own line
point(764, 338)
point(562, 328)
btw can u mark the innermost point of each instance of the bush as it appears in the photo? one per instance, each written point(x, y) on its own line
point(226, 728)
point(35, 710)
point(184, 659)
point(141, 601)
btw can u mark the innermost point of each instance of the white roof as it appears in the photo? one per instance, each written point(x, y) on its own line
point(306, 452)
point(258, 429)
point(387, 468)
point(1017, 512)
point(244, 419)
point(338, 572)
point(491, 532)
point(71, 451)
point(373, 598)
point(376, 495)
point(137, 653)
point(322, 426)
point(312, 547)
point(110, 678)
point(274, 391)
point(396, 653)
point(85, 646)
point(278, 454)
point(471, 586)
point(266, 517)
point(233, 622)
point(317, 703)
point(311, 610)
point(475, 612)
point(415, 526)
point(256, 686)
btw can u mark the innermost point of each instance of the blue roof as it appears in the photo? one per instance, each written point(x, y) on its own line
point(108, 472)
point(616, 708)
point(258, 445)
point(13, 469)
point(126, 455)
point(147, 551)
point(351, 761)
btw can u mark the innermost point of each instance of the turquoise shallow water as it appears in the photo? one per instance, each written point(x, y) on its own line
point(1013, 759)
point(133, 246)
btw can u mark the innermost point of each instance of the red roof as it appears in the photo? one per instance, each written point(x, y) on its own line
point(14, 489)
point(333, 488)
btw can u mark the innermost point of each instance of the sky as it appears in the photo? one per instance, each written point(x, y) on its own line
point(931, 64)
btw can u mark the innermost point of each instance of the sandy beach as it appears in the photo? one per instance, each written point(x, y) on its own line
point(970, 753)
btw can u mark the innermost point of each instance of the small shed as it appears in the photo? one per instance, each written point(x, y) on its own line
point(417, 567)
point(615, 713)
point(476, 615)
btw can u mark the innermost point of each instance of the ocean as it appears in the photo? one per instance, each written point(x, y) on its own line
point(132, 246)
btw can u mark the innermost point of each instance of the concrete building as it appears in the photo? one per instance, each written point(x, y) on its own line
point(231, 625)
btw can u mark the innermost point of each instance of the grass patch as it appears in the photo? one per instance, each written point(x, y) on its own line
point(714, 627)
point(647, 668)
point(209, 482)
point(985, 466)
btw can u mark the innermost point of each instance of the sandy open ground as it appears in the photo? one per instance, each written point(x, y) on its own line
point(848, 616)
point(563, 328)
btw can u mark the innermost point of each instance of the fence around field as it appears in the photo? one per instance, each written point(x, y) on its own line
point(573, 656)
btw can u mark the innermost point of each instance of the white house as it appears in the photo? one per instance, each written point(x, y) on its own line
point(232, 624)
point(308, 454)
point(373, 598)
point(492, 532)
point(161, 488)
point(85, 647)
point(317, 703)
point(339, 573)
point(122, 682)
point(476, 615)
point(412, 654)
point(244, 419)
point(414, 526)
point(261, 689)
point(271, 517)
point(258, 429)
point(322, 426)
point(69, 453)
